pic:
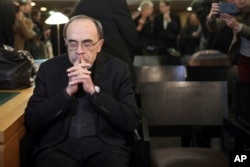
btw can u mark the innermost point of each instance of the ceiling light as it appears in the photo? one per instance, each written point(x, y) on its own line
point(189, 9)
point(43, 9)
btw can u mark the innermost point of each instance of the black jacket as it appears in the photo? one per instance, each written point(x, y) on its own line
point(170, 34)
point(47, 117)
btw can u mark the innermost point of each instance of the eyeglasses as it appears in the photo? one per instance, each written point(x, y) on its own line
point(88, 44)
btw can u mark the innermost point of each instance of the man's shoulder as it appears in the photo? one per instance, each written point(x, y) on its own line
point(57, 61)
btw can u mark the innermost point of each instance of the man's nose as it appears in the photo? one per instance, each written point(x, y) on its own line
point(81, 49)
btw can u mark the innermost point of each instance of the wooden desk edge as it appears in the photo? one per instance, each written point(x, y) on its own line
point(13, 119)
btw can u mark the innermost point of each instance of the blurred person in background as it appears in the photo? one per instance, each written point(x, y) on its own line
point(189, 40)
point(202, 9)
point(119, 30)
point(23, 27)
point(224, 33)
point(7, 21)
point(239, 52)
point(38, 26)
point(167, 27)
point(37, 46)
point(144, 25)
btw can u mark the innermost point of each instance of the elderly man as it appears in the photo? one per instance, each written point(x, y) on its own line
point(82, 112)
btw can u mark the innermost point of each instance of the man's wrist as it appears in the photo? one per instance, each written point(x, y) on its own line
point(96, 90)
point(67, 95)
point(68, 92)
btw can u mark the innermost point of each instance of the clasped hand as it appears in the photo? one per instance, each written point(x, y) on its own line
point(79, 74)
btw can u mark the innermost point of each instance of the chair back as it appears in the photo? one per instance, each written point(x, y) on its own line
point(184, 103)
point(160, 73)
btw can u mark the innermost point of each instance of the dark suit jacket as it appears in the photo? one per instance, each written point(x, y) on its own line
point(47, 116)
point(168, 35)
point(118, 27)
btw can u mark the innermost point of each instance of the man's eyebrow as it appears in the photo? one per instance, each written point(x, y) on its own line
point(72, 40)
point(86, 40)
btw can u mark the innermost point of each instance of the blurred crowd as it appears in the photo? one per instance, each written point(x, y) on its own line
point(22, 28)
point(160, 32)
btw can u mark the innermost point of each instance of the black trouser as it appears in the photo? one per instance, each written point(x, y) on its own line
point(90, 152)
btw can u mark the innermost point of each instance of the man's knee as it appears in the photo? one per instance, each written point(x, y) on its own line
point(55, 158)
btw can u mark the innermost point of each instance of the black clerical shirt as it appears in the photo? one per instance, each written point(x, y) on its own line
point(83, 118)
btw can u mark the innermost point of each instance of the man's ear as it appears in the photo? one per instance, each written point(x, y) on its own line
point(65, 42)
point(100, 44)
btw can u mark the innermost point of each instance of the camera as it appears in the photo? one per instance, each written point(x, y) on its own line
point(229, 8)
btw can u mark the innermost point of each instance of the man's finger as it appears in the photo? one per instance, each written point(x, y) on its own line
point(81, 59)
point(76, 61)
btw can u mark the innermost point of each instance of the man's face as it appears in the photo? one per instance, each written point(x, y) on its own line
point(82, 39)
point(28, 7)
point(163, 7)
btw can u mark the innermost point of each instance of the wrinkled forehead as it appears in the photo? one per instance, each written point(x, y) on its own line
point(82, 28)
